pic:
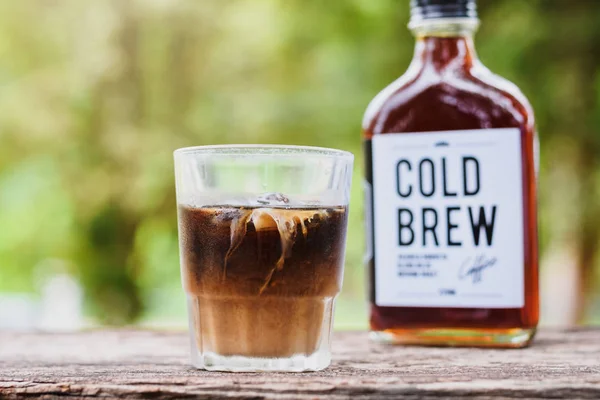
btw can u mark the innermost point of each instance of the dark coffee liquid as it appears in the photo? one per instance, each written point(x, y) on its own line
point(261, 280)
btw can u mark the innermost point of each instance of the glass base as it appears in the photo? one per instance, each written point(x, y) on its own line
point(260, 333)
point(501, 338)
point(295, 363)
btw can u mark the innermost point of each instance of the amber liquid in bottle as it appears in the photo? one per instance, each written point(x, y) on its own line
point(446, 88)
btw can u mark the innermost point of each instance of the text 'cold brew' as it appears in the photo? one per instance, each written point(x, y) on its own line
point(451, 197)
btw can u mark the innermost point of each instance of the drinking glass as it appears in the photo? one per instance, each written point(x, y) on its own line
point(262, 234)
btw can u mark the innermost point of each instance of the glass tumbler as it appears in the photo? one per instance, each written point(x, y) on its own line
point(262, 235)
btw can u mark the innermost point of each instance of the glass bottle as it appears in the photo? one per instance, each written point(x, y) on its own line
point(450, 152)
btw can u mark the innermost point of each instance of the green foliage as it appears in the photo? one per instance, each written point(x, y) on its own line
point(95, 96)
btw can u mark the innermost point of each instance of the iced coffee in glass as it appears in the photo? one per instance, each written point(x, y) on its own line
point(262, 232)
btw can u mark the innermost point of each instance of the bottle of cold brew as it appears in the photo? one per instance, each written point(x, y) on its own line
point(450, 152)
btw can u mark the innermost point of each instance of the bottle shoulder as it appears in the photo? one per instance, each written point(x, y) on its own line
point(502, 85)
point(397, 88)
point(425, 99)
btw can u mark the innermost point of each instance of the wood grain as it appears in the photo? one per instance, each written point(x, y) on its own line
point(142, 364)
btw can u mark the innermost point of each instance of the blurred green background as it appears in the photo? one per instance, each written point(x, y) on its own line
point(95, 95)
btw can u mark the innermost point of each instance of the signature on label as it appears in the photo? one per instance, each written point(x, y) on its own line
point(473, 268)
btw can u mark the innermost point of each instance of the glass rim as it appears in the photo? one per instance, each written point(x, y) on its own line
point(265, 150)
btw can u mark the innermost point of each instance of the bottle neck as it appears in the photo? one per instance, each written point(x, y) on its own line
point(445, 43)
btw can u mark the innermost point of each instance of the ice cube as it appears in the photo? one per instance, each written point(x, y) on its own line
point(228, 213)
point(272, 199)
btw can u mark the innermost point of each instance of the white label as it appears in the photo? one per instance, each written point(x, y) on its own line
point(448, 219)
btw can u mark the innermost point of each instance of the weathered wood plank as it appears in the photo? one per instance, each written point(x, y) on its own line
point(140, 364)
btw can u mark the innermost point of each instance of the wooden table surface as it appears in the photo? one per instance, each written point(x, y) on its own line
point(141, 364)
